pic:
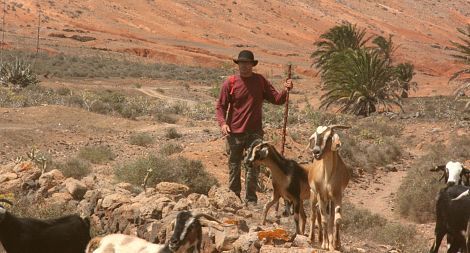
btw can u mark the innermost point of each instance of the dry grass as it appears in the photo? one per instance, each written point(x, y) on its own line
point(180, 170)
point(96, 154)
point(417, 193)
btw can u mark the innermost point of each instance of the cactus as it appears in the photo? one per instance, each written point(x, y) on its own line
point(17, 73)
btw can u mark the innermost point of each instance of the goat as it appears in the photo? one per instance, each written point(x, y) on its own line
point(68, 234)
point(289, 180)
point(328, 176)
point(454, 173)
point(452, 219)
point(187, 237)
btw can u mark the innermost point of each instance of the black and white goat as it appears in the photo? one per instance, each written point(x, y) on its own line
point(187, 237)
point(454, 173)
point(68, 234)
point(452, 219)
point(289, 179)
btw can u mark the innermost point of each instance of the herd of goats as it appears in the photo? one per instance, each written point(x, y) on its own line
point(322, 182)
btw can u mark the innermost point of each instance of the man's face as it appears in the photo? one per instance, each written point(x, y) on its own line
point(246, 68)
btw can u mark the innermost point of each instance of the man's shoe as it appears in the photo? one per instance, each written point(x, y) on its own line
point(251, 205)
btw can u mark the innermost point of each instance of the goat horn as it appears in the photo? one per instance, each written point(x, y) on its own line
point(338, 127)
point(438, 168)
point(209, 217)
point(6, 201)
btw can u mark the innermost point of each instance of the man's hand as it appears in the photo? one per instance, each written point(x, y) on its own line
point(288, 84)
point(225, 129)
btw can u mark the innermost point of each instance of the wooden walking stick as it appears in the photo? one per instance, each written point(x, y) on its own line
point(286, 112)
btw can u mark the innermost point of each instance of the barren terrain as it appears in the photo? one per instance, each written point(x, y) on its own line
point(208, 34)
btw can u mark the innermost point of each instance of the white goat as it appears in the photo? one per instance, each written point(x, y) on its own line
point(454, 173)
point(187, 235)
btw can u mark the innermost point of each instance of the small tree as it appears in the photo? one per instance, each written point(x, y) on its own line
point(358, 78)
point(337, 39)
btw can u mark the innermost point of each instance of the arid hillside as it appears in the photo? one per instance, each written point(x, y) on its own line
point(210, 32)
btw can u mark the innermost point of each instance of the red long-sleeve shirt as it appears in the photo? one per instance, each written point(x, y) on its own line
point(247, 102)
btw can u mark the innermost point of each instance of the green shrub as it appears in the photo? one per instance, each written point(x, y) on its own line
point(96, 154)
point(170, 148)
point(141, 139)
point(172, 133)
point(18, 73)
point(417, 193)
point(180, 170)
point(75, 167)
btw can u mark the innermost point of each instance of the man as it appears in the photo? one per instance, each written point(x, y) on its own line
point(239, 114)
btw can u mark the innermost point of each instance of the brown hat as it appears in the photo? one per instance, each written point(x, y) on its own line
point(246, 56)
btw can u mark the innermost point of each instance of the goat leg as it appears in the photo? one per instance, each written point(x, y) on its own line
point(274, 199)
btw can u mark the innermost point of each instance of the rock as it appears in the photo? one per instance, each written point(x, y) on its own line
point(113, 199)
point(76, 188)
point(171, 188)
point(272, 249)
point(23, 166)
point(8, 177)
point(123, 187)
point(301, 241)
point(182, 204)
point(391, 168)
point(225, 239)
point(89, 181)
point(208, 240)
point(247, 243)
point(11, 186)
point(223, 198)
point(50, 179)
point(245, 213)
point(59, 198)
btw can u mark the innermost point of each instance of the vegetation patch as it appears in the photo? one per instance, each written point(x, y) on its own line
point(172, 133)
point(111, 66)
point(141, 139)
point(180, 170)
point(96, 154)
point(378, 229)
point(417, 193)
point(170, 148)
point(75, 167)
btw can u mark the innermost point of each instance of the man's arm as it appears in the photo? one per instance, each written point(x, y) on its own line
point(222, 106)
point(275, 97)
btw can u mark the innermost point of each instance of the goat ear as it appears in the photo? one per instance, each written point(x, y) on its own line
point(172, 225)
point(264, 152)
point(310, 145)
point(335, 142)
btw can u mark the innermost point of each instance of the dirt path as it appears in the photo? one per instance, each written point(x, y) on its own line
point(153, 93)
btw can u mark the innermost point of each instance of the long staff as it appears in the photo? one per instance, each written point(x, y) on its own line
point(286, 112)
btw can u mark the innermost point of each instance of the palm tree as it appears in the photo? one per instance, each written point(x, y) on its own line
point(337, 39)
point(358, 81)
point(403, 75)
point(385, 47)
point(462, 55)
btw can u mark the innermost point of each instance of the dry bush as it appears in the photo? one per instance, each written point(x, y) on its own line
point(172, 133)
point(141, 139)
point(180, 170)
point(378, 229)
point(74, 167)
point(417, 193)
point(170, 148)
point(96, 154)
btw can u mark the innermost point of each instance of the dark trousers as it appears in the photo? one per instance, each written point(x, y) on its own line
point(237, 144)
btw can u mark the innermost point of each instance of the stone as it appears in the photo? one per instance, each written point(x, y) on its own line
point(225, 239)
point(223, 198)
point(112, 199)
point(8, 177)
point(76, 188)
point(171, 188)
point(247, 243)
